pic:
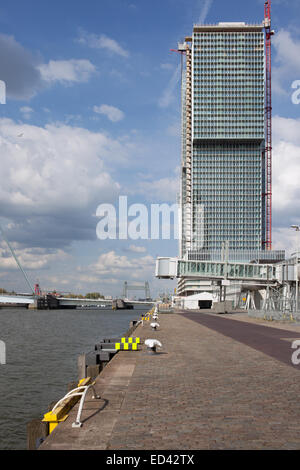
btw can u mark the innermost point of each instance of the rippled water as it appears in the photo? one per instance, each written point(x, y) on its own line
point(42, 348)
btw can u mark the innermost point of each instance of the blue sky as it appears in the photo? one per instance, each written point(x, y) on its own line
point(93, 112)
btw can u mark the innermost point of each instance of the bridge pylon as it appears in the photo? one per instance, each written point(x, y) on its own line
point(144, 287)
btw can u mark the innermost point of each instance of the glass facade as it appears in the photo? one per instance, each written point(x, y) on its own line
point(226, 168)
point(228, 85)
point(227, 187)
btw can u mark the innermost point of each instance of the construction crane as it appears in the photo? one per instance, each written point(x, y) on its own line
point(267, 195)
point(182, 51)
point(37, 290)
point(17, 261)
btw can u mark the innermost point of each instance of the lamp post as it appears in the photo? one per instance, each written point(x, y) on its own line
point(297, 229)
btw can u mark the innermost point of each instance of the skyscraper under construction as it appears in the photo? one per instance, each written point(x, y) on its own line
point(225, 184)
point(223, 109)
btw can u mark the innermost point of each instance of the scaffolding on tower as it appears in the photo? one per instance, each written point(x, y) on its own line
point(267, 195)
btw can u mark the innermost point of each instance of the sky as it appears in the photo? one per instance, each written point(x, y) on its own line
point(92, 113)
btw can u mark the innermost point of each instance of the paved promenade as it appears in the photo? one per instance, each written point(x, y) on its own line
point(219, 382)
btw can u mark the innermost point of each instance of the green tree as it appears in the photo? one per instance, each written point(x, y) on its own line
point(94, 295)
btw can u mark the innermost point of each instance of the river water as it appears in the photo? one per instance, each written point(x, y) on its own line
point(42, 347)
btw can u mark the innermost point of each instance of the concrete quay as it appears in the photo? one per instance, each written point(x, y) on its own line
point(219, 382)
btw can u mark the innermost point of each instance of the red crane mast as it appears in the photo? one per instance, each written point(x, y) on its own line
point(268, 130)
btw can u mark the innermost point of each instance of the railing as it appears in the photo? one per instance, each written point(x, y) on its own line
point(275, 315)
point(80, 391)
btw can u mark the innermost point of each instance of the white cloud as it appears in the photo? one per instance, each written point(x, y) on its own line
point(112, 264)
point(174, 129)
point(163, 190)
point(286, 168)
point(67, 71)
point(54, 178)
point(287, 61)
point(111, 112)
point(53, 167)
point(167, 66)
point(287, 49)
point(25, 75)
point(137, 249)
point(30, 258)
point(26, 111)
point(284, 238)
point(205, 7)
point(286, 129)
point(120, 268)
point(18, 69)
point(168, 95)
point(286, 171)
point(102, 42)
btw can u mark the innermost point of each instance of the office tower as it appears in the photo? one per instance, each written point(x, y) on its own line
point(223, 141)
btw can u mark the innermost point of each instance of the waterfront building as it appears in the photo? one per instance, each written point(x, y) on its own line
point(223, 169)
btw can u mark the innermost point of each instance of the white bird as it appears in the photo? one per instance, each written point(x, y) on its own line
point(152, 344)
point(154, 325)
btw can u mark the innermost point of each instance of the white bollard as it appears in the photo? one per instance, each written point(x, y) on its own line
point(152, 345)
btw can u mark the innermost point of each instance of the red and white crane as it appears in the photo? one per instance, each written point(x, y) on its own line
point(267, 196)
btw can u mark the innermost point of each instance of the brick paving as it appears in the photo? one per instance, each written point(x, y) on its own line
point(271, 341)
point(204, 390)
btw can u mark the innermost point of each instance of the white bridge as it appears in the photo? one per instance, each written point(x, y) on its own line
point(65, 302)
point(16, 300)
